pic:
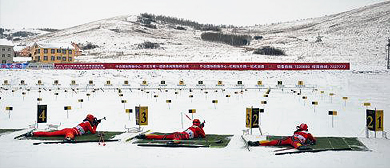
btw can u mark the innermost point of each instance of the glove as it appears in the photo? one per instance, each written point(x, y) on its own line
point(96, 121)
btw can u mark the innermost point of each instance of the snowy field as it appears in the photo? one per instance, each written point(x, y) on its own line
point(283, 111)
point(357, 37)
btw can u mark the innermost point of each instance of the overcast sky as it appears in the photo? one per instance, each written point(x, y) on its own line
point(67, 13)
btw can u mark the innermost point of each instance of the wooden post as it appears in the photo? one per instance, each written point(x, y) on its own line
point(332, 121)
point(388, 54)
point(375, 124)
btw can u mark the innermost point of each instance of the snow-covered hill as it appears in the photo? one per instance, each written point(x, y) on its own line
point(358, 36)
point(16, 35)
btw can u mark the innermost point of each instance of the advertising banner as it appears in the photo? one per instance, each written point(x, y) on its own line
point(206, 66)
point(14, 66)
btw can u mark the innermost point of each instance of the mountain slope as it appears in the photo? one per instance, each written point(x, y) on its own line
point(357, 36)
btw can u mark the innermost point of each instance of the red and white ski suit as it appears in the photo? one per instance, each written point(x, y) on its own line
point(80, 129)
point(190, 133)
point(299, 138)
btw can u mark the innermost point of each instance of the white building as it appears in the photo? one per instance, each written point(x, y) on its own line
point(6, 51)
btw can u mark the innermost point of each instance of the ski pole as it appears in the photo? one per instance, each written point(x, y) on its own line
point(188, 117)
point(181, 116)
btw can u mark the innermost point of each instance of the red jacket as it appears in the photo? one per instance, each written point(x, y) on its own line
point(195, 132)
point(84, 127)
point(303, 136)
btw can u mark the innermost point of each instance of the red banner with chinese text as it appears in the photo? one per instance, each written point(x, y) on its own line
point(205, 66)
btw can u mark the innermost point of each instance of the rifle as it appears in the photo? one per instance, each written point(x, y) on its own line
point(97, 121)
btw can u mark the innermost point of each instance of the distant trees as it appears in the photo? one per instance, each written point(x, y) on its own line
point(148, 45)
point(267, 50)
point(17, 35)
point(48, 29)
point(180, 28)
point(1, 32)
point(231, 39)
point(116, 30)
point(147, 20)
point(88, 46)
point(20, 34)
point(258, 37)
point(23, 34)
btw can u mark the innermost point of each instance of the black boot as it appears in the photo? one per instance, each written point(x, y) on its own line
point(253, 143)
point(141, 136)
point(29, 134)
point(69, 139)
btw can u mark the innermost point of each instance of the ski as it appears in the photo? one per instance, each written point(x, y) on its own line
point(296, 151)
point(246, 143)
point(134, 136)
point(172, 145)
point(20, 136)
point(283, 149)
point(290, 151)
point(73, 142)
point(24, 135)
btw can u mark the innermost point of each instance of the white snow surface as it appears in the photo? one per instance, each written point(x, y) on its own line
point(357, 36)
point(283, 112)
